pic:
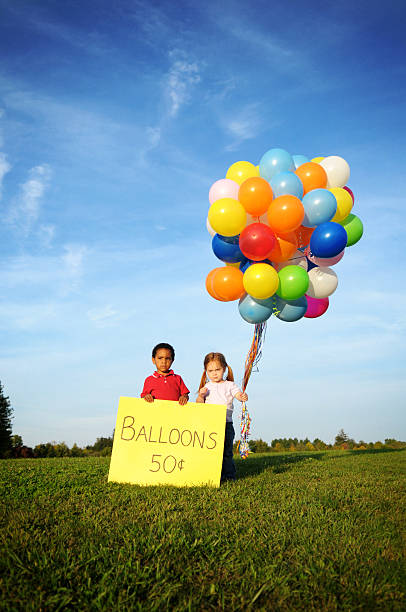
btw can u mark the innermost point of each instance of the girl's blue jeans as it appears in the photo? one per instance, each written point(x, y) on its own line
point(228, 469)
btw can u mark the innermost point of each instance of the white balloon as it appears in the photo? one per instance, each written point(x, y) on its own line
point(337, 170)
point(209, 228)
point(298, 259)
point(322, 282)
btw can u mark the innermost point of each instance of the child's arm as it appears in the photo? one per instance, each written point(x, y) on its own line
point(201, 395)
point(242, 397)
point(184, 399)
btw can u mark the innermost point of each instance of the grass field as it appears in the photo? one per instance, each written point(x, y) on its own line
point(311, 531)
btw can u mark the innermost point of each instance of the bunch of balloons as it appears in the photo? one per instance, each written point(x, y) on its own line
point(279, 227)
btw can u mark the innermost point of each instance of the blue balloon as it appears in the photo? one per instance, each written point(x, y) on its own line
point(298, 160)
point(291, 310)
point(286, 183)
point(227, 249)
point(244, 265)
point(328, 240)
point(320, 206)
point(274, 161)
point(255, 311)
point(311, 265)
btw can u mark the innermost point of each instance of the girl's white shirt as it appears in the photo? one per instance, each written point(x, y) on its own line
point(222, 393)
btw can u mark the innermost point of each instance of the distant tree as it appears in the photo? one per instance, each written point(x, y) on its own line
point(341, 438)
point(16, 441)
point(101, 443)
point(5, 423)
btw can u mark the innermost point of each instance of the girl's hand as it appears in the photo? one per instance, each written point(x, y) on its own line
point(243, 397)
point(203, 392)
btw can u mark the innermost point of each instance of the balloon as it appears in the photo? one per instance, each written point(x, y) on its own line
point(209, 228)
point(312, 175)
point(224, 188)
point(241, 171)
point(255, 311)
point(322, 282)
point(315, 307)
point(256, 219)
point(303, 235)
point(291, 310)
point(274, 161)
point(284, 248)
point(326, 262)
point(260, 281)
point(297, 259)
point(320, 206)
point(227, 249)
point(344, 203)
point(244, 265)
point(317, 160)
point(293, 282)
point(227, 217)
point(353, 227)
point(235, 264)
point(209, 285)
point(257, 241)
point(350, 192)
point(328, 240)
point(337, 170)
point(298, 160)
point(227, 283)
point(286, 183)
point(285, 214)
point(255, 194)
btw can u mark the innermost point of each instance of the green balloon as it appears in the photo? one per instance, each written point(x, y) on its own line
point(354, 228)
point(293, 282)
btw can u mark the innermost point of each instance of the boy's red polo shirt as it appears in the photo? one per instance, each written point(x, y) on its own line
point(169, 387)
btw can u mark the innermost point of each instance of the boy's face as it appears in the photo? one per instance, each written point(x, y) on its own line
point(163, 360)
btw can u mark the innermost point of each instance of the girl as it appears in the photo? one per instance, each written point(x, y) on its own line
point(220, 391)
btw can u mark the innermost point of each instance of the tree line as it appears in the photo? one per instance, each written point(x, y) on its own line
point(12, 446)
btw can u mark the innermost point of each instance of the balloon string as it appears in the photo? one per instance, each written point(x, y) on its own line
point(252, 360)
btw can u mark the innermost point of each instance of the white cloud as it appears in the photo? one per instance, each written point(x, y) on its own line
point(25, 208)
point(182, 76)
point(4, 168)
point(46, 235)
point(73, 260)
point(102, 317)
point(243, 124)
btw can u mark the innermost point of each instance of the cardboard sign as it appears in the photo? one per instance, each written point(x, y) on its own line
point(164, 443)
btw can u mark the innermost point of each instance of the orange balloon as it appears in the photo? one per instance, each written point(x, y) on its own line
point(285, 214)
point(312, 175)
point(209, 285)
point(285, 247)
point(227, 283)
point(303, 235)
point(255, 195)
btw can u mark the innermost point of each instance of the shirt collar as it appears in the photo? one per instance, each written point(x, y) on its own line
point(158, 375)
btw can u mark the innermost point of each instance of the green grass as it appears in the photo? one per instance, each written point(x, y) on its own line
point(311, 531)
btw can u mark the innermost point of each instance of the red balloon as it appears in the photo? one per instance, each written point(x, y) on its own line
point(257, 241)
point(316, 307)
point(350, 192)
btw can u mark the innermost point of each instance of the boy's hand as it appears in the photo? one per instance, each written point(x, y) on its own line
point(148, 397)
point(183, 400)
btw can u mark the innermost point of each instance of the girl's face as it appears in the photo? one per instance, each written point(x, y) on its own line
point(215, 371)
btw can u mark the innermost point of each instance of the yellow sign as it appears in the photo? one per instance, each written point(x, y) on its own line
point(164, 443)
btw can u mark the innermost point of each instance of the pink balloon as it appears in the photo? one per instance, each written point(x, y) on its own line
point(223, 188)
point(316, 307)
point(327, 262)
point(350, 192)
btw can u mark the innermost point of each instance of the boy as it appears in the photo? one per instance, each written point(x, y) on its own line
point(164, 384)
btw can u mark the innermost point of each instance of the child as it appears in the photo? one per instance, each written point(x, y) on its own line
point(220, 391)
point(164, 384)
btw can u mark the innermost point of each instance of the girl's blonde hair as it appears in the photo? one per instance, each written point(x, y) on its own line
point(222, 361)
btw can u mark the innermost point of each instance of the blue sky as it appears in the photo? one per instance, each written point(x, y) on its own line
point(115, 120)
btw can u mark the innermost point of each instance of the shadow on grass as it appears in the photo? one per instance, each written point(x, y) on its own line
point(278, 463)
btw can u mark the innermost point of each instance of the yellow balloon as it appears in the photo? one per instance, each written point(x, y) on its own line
point(261, 281)
point(227, 217)
point(233, 265)
point(344, 203)
point(241, 171)
point(317, 160)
